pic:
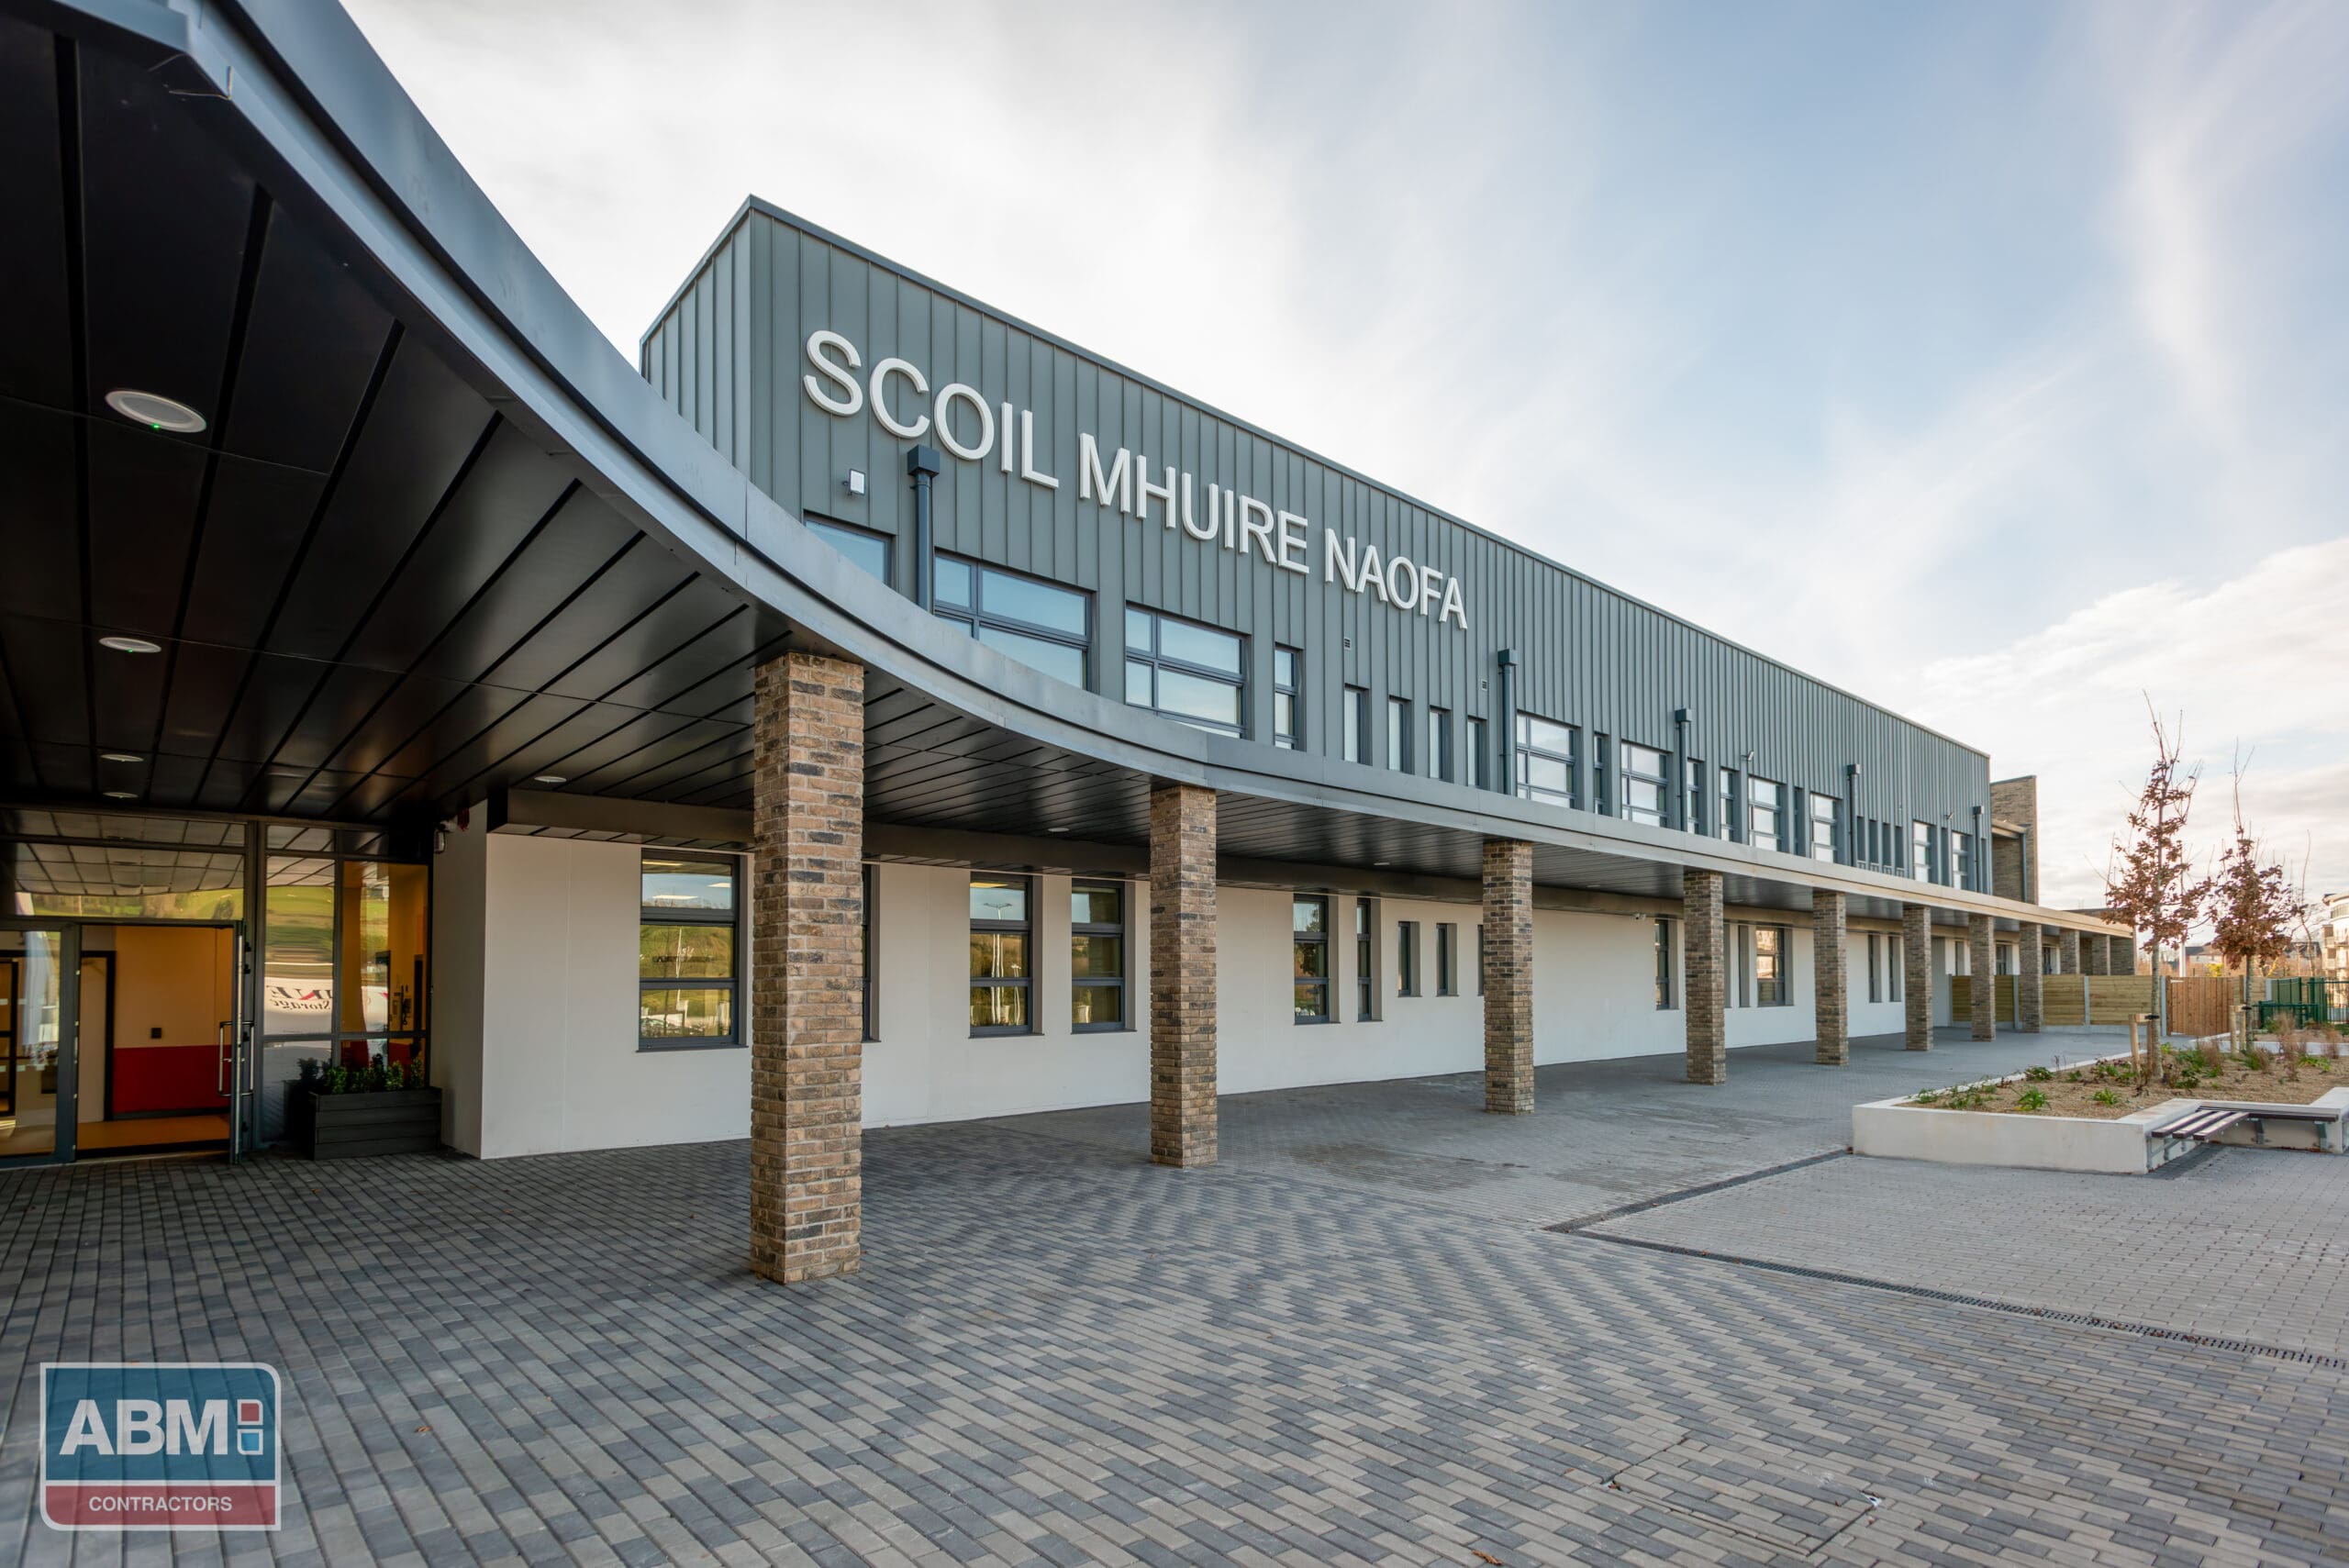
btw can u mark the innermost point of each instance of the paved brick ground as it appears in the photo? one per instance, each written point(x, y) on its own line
point(2246, 1244)
point(1602, 1134)
point(1060, 1354)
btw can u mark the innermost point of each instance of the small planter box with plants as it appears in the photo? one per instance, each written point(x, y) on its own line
point(2096, 1116)
point(333, 1112)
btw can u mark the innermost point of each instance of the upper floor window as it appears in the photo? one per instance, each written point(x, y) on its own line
point(1923, 864)
point(869, 551)
point(1000, 969)
point(1480, 755)
point(687, 951)
point(1693, 795)
point(1824, 809)
point(1286, 698)
point(1766, 813)
point(1398, 734)
point(1545, 761)
point(1357, 724)
point(1439, 743)
point(1310, 958)
point(1644, 782)
point(1961, 854)
point(1191, 673)
point(1727, 825)
point(1097, 968)
point(1043, 626)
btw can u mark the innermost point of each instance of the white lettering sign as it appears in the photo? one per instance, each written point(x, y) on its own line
point(1122, 481)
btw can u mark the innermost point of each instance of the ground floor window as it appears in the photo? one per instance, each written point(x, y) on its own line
point(1407, 958)
point(1365, 959)
point(1666, 973)
point(1895, 959)
point(1000, 970)
point(686, 952)
point(1770, 987)
point(1097, 924)
point(1309, 949)
point(1875, 971)
point(1447, 959)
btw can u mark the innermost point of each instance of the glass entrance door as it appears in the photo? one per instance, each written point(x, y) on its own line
point(42, 1018)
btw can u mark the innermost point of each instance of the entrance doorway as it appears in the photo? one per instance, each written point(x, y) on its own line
point(145, 1052)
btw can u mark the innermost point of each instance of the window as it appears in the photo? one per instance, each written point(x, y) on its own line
point(2006, 957)
point(1600, 801)
point(1765, 808)
point(1096, 955)
point(1726, 827)
point(1692, 795)
point(1875, 966)
point(999, 949)
point(1895, 963)
point(1824, 808)
point(1480, 755)
point(866, 1015)
point(1365, 959)
point(685, 947)
point(1357, 724)
point(1770, 987)
point(1309, 924)
point(1923, 864)
point(1665, 973)
point(1439, 743)
point(1398, 734)
point(1407, 958)
point(1545, 761)
point(1285, 697)
point(1192, 675)
point(1480, 960)
point(1740, 958)
point(1044, 627)
point(867, 551)
point(1645, 780)
point(1961, 854)
point(1447, 959)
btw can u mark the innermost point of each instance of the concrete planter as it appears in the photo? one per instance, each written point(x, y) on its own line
point(345, 1127)
point(2115, 1147)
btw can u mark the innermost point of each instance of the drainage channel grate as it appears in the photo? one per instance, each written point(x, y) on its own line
point(2045, 1314)
point(1572, 1227)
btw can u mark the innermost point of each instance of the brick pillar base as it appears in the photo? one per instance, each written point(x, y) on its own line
point(1509, 976)
point(807, 969)
point(1917, 974)
point(2030, 996)
point(1705, 939)
point(1830, 968)
point(1979, 959)
point(1182, 976)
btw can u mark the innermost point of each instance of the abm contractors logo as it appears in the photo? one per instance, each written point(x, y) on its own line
point(159, 1446)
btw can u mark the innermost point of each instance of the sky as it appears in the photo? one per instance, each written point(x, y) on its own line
point(1986, 359)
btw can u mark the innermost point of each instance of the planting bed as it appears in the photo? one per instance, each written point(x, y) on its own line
point(2073, 1091)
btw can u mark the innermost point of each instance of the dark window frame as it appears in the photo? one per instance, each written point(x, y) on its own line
point(1694, 778)
point(1441, 763)
point(1781, 953)
point(1123, 931)
point(871, 1018)
point(1289, 738)
point(1157, 660)
point(1407, 958)
point(977, 618)
point(1320, 939)
point(1367, 959)
point(1026, 927)
point(1447, 957)
point(1356, 722)
point(735, 917)
point(1659, 780)
point(1667, 973)
point(844, 537)
point(1480, 753)
point(1398, 734)
point(1775, 805)
point(1528, 749)
point(1834, 823)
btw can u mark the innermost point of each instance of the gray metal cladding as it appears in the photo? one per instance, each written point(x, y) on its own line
point(730, 354)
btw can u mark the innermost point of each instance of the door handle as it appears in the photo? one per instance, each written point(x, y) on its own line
point(220, 1059)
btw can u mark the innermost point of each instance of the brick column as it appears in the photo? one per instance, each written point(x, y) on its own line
point(1706, 941)
point(2093, 954)
point(1917, 974)
point(2030, 1000)
point(1182, 976)
point(2120, 954)
point(1829, 967)
point(807, 968)
point(1509, 976)
point(1986, 981)
point(2068, 950)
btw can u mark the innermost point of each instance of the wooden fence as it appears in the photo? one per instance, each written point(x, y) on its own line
point(2204, 1004)
point(2065, 1000)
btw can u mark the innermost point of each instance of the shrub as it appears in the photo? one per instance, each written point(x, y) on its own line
point(1926, 1097)
point(334, 1078)
point(2037, 1075)
point(2105, 1097)
point(2031, 1100)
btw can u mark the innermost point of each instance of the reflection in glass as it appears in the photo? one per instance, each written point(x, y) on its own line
point(297, 947)
point(687, 882)
point(670, 951)
point(686, 1013)
point(32, 966)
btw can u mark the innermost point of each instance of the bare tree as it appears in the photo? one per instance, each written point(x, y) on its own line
point(2253, 906)
point(2148, 880)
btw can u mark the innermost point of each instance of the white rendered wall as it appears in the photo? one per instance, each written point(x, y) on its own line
point(535, 1033)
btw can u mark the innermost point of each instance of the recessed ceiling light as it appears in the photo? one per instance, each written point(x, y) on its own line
point(122, 795)
point(131, 645)
point(1055, 829)
point(155, 411)
point(1378, 862)
point(549, 778)
point(120, 757)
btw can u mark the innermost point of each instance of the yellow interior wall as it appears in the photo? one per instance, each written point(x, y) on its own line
point(175, 979)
